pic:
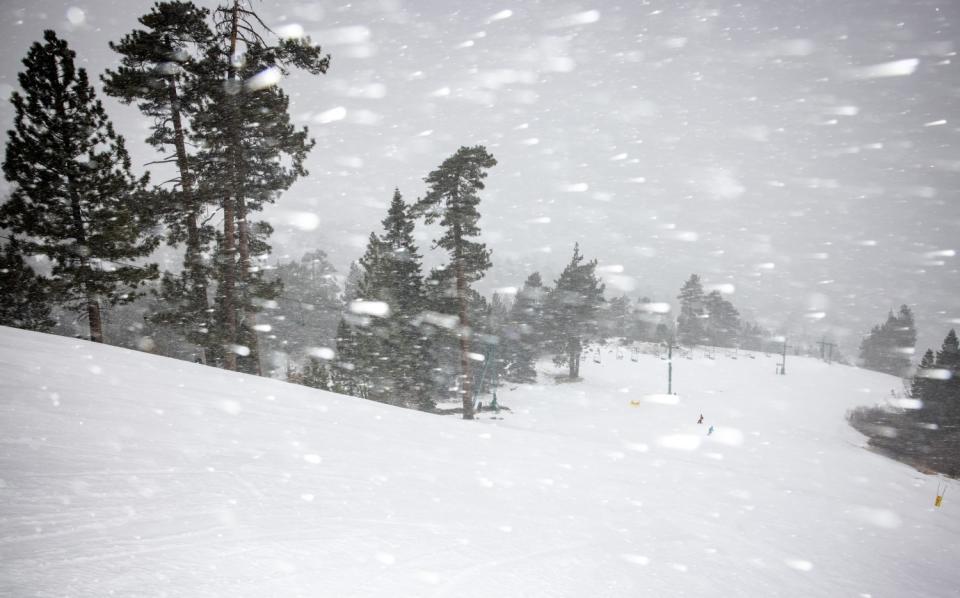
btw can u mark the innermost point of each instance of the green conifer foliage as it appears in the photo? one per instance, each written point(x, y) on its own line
point(452, 198)
point(572, 311)
point(394, 363)
point(23, 294)
point(888, 346)
point(162, 70)
point(75, 199)
point(250, 149)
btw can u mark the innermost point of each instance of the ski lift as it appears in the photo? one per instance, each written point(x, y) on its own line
point(941, 490)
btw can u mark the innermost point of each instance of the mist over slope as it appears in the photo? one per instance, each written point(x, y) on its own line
point(127, 474)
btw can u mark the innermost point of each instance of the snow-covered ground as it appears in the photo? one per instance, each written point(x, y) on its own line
point(125, 474)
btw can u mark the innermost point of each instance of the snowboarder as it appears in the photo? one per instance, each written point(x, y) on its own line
point(700, 421)
point(710, 431)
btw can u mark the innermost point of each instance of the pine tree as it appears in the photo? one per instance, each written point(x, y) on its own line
point(369, 349)
point(399, 283)
point(251, 149)
point(441, 324)
point(161, 70)
point(888, 346)
point(75, 199)
point(351, 286)
point(943, 391)
point(452, 198)
point(524, 333)
point(350, 339)
point(723, 322)
point(690, 328)
point(23, 294)
point(903, 341)
point(394, 365)
point(938, 387)
point(919, 384)
point(871, 349)
point(261, 291)
point(572, 311)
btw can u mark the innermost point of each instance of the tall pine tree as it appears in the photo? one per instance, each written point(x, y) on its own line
point(162, 69)
point(251, 150)
point(395, 363)
point(75, 199)
point(452, 198)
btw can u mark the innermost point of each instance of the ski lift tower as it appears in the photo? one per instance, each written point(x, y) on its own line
point(669, 365)
point(782, 366)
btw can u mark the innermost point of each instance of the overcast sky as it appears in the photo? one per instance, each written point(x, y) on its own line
point(804, 152)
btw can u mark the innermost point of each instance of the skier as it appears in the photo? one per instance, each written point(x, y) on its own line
point(700, 421)
point(710, 431)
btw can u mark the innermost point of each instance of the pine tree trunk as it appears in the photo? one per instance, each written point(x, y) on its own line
point(250, 316)
point(228, 265)
point(93, 317)
point(93, 305)
point(192, 256)
point(467, 386)
point(80, 236)
point(229, 232)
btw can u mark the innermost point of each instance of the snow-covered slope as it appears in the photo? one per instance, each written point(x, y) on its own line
point(125, 474)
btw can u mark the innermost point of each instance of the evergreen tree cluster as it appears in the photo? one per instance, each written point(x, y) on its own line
point(923, 429)
point(707, 318)
point(889, 346)
point(380, 340)
point(413, 338)
point(207, 82)
point(74, 198)
point(572, 311)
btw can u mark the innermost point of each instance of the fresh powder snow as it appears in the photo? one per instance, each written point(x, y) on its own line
point(128, 474)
